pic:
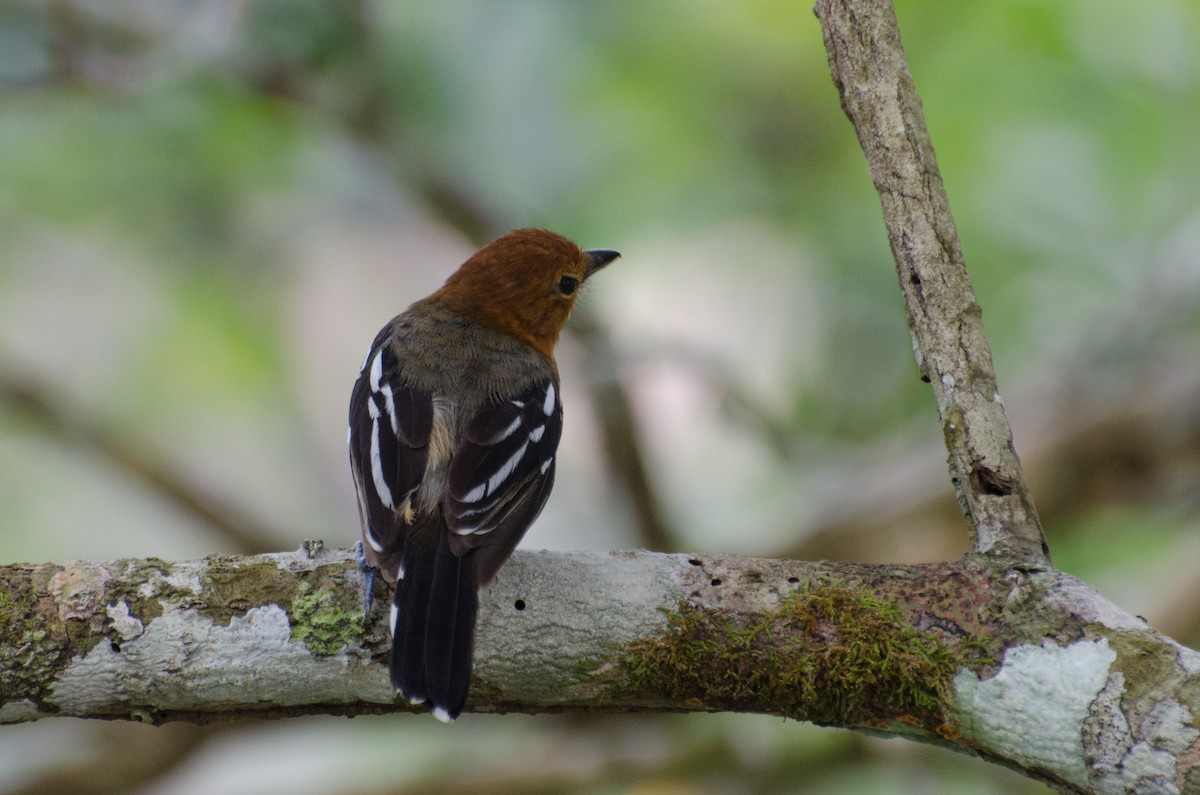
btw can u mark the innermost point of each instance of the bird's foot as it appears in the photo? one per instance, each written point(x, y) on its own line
point(368, 573)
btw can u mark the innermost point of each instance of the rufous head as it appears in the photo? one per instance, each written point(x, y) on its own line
point(524, 284)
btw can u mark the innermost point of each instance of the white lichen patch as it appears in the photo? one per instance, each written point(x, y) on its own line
point(123, 624)
point(1032, 711)
point(184, 577)
point(184, 661)
point(1189, 660)
point(309, 553)
point(1169, 725)
point(1073, 597)
point(1146, 770)
point(19, 711)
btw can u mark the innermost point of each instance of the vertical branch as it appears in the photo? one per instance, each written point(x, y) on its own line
point(866, 59)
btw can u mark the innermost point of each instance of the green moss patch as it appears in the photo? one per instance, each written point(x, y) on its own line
point(828, 655)
point(324, 615)
point(324, 621)
point(231, 587)
point(32, 644)
point(130, 588)
point(1147, 665)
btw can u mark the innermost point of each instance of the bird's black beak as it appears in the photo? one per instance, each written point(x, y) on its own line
point(598, 258)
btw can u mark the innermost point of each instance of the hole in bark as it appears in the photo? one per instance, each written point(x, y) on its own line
point(716, 581)
point(519, 604)
point(695, 561)
point(991, 482)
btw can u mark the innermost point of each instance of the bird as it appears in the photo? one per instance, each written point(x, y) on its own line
point(455, 419)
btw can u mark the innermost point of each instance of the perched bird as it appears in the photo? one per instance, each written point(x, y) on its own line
point(454, 422)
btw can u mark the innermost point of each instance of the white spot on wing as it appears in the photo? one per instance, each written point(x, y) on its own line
point(376, 371)
point(375, 545)
point(536, 434)
point(442, 715)
point(390, 405)
point(516, 423)
point(476, 494)
point(548, 405)
point(381, 486)
point(546, 464)
point(497, 480)
point(392, 621)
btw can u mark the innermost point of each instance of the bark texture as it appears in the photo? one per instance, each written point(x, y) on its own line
point(1031, 669)
point(866, 59)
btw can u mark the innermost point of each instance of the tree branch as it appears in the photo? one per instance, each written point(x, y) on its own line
point(866, 59)
point(1029, 669)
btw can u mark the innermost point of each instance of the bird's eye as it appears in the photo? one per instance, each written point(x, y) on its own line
point(567, 285)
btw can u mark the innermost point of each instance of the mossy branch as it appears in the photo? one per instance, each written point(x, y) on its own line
point(1032, 669)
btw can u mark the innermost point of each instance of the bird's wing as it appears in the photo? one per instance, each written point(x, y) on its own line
point(390, 426)
point(502, 473)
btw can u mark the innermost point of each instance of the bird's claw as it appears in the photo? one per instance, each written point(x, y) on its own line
point(368, 573)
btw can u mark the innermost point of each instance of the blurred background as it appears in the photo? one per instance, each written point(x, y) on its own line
point(208, 208)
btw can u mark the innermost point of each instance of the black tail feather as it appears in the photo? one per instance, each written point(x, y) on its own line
point(434, 633)
point(411, 601)
point(450, 631)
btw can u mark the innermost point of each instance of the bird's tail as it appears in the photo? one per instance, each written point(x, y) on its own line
point(433, 627)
